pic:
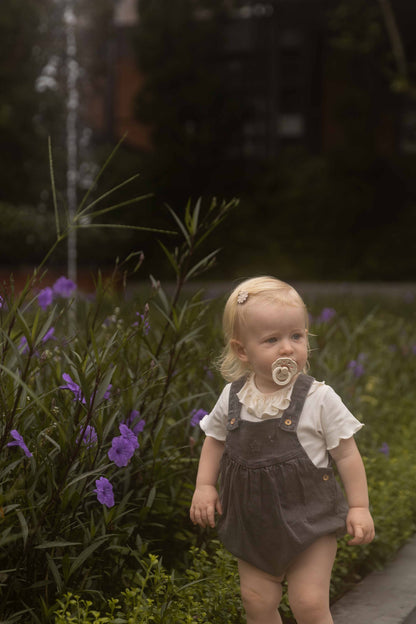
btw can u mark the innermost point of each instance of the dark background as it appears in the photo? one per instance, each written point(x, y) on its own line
point(305, 110)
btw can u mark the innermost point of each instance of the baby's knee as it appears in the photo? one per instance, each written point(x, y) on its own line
point(257, 602)
point(310, 608)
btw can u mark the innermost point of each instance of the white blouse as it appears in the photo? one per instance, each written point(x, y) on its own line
point(324, 422)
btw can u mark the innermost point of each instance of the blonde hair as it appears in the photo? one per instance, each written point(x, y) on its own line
point(265, 288)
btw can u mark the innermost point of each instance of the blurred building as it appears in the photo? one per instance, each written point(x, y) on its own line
point(276, 55)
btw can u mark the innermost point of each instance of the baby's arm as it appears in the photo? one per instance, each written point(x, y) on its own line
point(352, 472)
point(206, 500)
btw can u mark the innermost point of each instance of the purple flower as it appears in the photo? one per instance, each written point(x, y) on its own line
point(134, 423)
point(129, 435)
point(45, 298)
point(385, 449)
point(104, 491)
point(90, 436)
point(49, 334)
point(326, 315)
point(74, 387)
point(208, 372)
point(71, 385)
point(23, 345)
point(356, 366)
point(196, 416)
point(144, 321)
point(121, 451)
point(1, 302)
point(18, 441)
point(64, 287)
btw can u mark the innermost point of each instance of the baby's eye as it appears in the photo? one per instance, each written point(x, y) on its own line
point(271, 340)
point(297, 336)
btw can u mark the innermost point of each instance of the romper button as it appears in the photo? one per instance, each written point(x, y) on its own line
point(232, 421)
point(325, 477)
point(288, 421)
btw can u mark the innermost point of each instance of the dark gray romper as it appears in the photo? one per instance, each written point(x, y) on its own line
point(275, 501)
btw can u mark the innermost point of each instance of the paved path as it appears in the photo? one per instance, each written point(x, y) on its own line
point(411, 619)
point(385, 596)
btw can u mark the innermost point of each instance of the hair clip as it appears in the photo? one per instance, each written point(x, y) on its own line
point(242, 296)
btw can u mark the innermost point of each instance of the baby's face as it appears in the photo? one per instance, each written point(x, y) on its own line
point(272, 331)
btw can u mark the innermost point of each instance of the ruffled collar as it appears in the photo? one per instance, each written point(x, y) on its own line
point(261, 405)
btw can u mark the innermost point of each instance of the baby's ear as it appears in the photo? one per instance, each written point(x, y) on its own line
point(239, 350)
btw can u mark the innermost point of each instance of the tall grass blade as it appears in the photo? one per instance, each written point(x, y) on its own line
point(53, 186)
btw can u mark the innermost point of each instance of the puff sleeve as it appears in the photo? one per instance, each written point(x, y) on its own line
point(214, 424)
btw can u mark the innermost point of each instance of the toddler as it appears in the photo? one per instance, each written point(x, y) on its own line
point(270, 441)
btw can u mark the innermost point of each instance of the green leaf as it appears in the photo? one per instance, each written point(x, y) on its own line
point(151, 497)
point(29, 391)
point(55, 572)
point(56, 544)
point(121, 226)
point(202, 265)
point(100, 173)
point(181, 226)
point(47, 324)
point(103, 385)
point(83, 211)
point(171, 257)
point(87, 552)
point(195, 216)
point(85, 475)
point(24, 526)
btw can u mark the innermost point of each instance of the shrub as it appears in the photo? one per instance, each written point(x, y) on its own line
point(96, 398)
point(209, 592)
point(368, 353)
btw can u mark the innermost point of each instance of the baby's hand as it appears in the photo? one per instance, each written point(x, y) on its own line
point(205, 503)
point(360, 525)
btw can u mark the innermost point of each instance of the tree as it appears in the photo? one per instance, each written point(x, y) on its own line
point(353, 194)
point(184, 100)
point(372, 59)
point(33, 108)
point(23, 109)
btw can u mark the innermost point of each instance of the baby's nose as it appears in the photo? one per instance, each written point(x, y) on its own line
point(286, 347)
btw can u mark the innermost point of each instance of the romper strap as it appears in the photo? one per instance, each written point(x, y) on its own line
point(234, 405)
point(290, 417)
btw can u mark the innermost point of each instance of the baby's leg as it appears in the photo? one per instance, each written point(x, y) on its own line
point(308, 581)
point(261, 594)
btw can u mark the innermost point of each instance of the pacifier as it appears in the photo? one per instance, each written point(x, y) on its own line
point(283, 370)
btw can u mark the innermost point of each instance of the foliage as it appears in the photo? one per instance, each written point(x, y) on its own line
point(23, 110)
point(184, 98)
point(33, 100)
point(368, 33)
point(345, 200)
point(370, 359)
point(343, 191)
point(355, 192)
point(33, 228)
point(96, 397)
point(207, 593)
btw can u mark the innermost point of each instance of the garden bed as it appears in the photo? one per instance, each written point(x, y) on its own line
point(99, 447)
